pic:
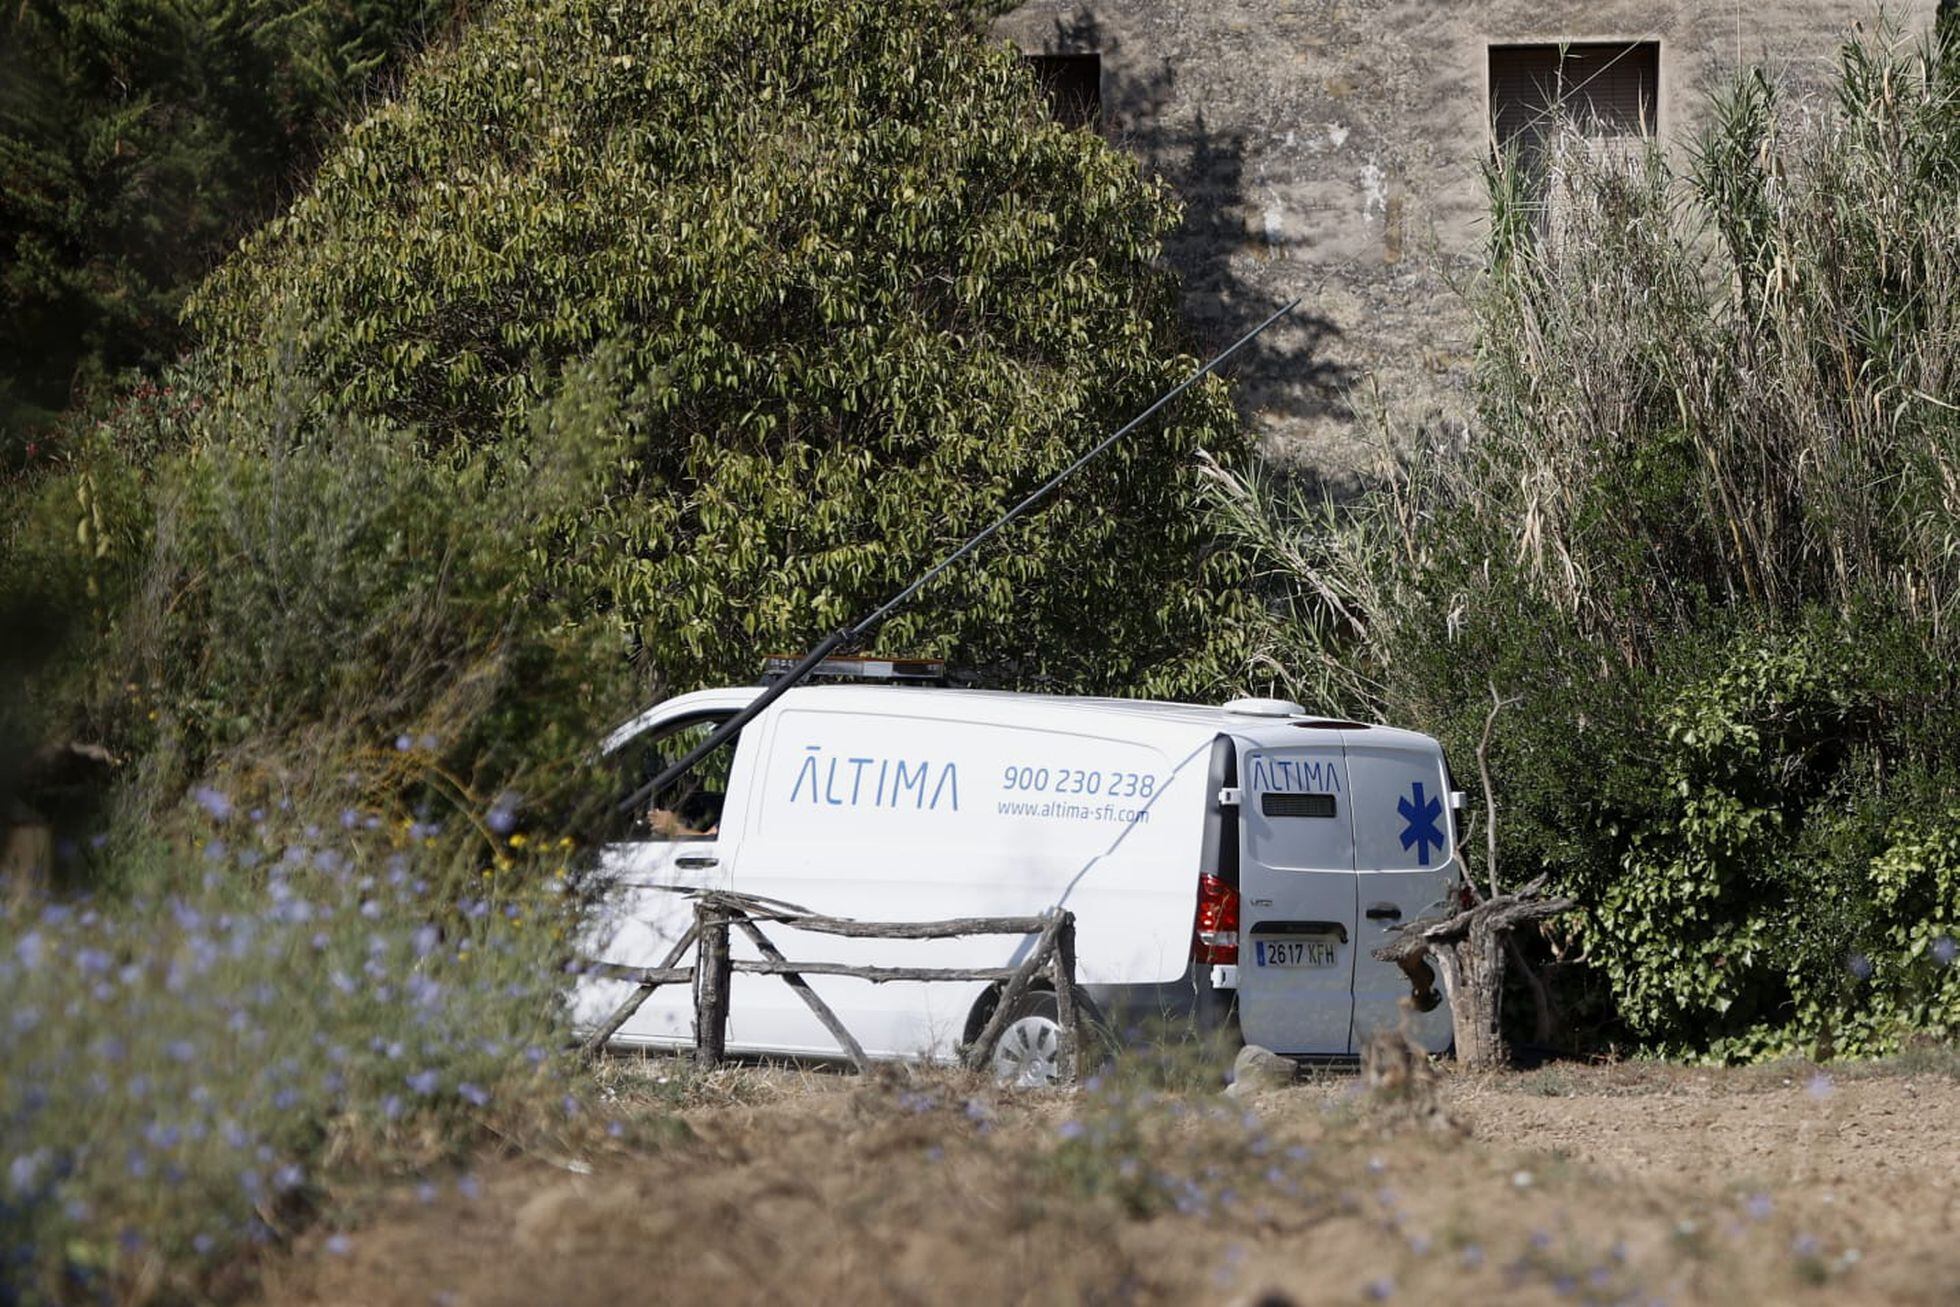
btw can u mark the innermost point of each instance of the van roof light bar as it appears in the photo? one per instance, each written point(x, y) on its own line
point(922, 670)
point(846, 637)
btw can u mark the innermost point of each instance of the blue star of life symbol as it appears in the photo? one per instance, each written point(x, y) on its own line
point(1421, 830)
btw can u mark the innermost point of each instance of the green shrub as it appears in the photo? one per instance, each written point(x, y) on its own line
point(283, 598)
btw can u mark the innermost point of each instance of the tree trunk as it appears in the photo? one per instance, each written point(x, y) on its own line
point(1467, 951)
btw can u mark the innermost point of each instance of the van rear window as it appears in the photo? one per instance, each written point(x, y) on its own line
point(1296, 805)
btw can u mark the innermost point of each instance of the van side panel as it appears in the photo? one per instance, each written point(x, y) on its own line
point(1405, 863)
point(896, 815)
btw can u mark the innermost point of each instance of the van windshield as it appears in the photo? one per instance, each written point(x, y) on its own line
point(688, 809)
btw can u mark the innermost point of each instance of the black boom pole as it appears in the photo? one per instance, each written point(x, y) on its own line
point(847, 636)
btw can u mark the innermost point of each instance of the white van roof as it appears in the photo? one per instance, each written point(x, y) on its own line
point(1011, 707)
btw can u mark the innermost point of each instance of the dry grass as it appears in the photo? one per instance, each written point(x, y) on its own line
point(1633, 1182)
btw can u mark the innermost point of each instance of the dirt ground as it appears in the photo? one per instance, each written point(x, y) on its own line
point(1635, 1183)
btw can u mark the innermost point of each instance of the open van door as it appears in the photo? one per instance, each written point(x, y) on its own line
point(1297, 936)
point(1405, 863)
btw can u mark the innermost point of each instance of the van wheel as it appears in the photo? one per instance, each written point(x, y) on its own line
point(1028, 1054)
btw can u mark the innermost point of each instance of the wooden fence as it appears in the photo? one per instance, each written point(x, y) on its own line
point(717, 912)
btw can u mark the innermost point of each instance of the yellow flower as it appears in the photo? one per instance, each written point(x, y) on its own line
point(519, 840)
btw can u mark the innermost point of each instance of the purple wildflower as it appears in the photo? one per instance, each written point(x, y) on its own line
point(502, 817)
point(424, 1082)
point(22, 1171)
point(214, 801)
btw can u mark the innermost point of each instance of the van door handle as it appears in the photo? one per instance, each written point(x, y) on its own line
point(697, 860)
point(1384, 912)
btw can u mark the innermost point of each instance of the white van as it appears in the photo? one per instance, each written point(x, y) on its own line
point(1241, 859)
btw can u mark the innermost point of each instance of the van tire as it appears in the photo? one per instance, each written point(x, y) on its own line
point(1028, 1053)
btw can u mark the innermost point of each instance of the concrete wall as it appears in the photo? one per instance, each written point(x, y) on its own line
point(1332, 149)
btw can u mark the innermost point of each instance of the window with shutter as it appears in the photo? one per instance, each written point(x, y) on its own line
point(1609, 92)
point(1606, 89)
point(1073, 85)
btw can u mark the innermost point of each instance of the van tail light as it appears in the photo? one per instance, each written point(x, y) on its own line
point(1216, 941)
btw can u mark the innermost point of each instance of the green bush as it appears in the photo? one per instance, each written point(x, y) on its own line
point(286, 597)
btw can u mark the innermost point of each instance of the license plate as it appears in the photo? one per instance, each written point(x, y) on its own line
point(1296, 952)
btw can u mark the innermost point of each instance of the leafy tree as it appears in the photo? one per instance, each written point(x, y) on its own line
point(866, 293)
point(138, 138)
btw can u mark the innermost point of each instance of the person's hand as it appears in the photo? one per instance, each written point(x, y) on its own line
point(667, 824)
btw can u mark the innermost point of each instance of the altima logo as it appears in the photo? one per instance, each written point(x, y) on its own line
point(875, 782)
point(1294, 776)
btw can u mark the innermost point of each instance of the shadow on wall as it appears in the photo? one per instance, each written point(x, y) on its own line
point(1222, 244)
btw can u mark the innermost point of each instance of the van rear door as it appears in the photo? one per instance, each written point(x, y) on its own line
point(1405, 862)
point(1296, 898)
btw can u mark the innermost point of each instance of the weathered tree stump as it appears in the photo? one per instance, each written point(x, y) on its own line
point(1466, 950)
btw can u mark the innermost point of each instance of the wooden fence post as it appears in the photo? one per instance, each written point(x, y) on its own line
point(1071, 1052)
point(712, 974)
